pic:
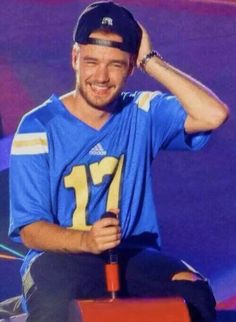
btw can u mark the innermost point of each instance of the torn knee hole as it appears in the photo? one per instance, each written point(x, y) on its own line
point(186, 276)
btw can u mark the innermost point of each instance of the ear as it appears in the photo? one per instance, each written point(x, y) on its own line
point(75, 56)
point(132, 64)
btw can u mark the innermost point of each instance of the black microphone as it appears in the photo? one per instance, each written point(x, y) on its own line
point(111, 266)
point(112, 254)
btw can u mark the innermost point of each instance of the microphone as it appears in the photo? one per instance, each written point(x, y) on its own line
point(112, 266)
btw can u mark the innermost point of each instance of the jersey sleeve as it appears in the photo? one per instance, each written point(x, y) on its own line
point(167, 124)
point(29, 177)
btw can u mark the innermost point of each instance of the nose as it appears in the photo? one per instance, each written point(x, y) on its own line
point(102, 74)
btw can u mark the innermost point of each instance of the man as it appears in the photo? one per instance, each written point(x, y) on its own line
point(90, 151)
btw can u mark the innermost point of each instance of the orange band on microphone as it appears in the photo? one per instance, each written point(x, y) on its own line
point(112, 277)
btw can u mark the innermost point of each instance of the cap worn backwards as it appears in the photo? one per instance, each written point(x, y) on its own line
point(107, 15)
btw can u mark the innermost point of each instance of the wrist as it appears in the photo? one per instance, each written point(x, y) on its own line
point(152, 54)
point(84, 245)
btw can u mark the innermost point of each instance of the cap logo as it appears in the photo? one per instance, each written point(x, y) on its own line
point(107, 21)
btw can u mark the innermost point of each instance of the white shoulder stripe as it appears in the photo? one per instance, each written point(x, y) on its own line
point(144, 99)
point(30, 143)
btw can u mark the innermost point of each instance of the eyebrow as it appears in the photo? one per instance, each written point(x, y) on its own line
point(89, 58)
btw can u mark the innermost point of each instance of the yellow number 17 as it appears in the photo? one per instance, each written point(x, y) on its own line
point(78, 180)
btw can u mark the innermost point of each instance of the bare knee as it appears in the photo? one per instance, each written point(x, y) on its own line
point(187, 276)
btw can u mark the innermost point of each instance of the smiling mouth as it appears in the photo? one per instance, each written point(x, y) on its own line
point(100, 88)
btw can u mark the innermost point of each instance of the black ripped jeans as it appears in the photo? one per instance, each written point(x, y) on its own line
point(56, 279)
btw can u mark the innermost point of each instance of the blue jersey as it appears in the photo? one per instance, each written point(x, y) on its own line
point(65, 172)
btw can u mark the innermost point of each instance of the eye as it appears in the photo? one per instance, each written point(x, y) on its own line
point(91, 62)
point(117, 65)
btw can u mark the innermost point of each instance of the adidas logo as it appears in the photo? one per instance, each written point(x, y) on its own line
point(97, 150)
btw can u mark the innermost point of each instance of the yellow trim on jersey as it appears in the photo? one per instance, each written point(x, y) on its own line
point(30, 143)
point(144, 99)
point(19, 144)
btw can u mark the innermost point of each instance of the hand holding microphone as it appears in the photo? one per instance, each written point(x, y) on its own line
point(104, 234)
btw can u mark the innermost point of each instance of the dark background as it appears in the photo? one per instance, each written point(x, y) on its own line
point(195, 192)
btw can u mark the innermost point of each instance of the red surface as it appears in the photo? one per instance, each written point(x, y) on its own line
point(134, 310)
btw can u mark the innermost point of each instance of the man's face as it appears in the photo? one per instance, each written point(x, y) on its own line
point(100, 71)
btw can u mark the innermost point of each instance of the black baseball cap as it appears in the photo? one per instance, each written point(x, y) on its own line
point(107, 15)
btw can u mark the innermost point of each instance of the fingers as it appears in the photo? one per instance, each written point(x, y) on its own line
point(108, 242)
point(145, 46)
point(106, 222)
point(107, 230)
point(99, 242)
point(142, 27)
point(104, 234)
point(109, 221)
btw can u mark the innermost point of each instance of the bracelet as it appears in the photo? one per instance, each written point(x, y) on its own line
point(146, 58)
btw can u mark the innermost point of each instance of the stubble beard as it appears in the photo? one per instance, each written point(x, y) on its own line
point(97, 103)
